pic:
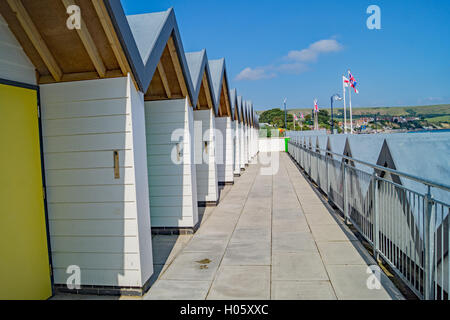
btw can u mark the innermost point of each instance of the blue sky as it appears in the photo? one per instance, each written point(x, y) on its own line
point(300, 49)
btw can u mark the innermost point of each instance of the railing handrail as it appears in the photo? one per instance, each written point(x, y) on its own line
point(385, 169)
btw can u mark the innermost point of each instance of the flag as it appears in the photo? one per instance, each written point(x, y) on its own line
point(295, 117)
point(316, 107)
point(352, 81)
point(346, 81)
point(302, 116)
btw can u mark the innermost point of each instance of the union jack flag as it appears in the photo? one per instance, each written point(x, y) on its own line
point(352, 81)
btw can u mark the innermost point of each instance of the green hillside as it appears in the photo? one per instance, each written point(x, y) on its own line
point(429, 112)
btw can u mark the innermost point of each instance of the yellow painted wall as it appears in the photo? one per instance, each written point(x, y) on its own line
point(24, 262)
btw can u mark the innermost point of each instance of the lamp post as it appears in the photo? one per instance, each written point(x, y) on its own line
point(335, 97)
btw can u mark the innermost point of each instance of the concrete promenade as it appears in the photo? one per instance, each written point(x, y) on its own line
point(271, 237)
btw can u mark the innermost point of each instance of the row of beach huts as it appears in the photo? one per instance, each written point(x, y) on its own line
point(110, 133)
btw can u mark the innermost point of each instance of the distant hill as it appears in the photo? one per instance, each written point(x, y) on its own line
point(434, 111)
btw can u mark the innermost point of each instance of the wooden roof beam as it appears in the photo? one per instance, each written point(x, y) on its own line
point(177, 66)
point(88, 43)
point(162, 74)
point(227, 98)
point(36, 39)
point(207, 91)
point(113, 40)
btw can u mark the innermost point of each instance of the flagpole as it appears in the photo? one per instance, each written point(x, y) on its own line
point(345, 107)
point(351, 115)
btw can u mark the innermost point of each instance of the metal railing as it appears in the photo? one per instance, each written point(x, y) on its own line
point(407, 229)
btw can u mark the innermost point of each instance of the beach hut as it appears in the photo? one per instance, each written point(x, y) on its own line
point(236, 134)
point(169, 123)
point(204, 142)
point(241, 131)
point(223, 123)
point(84, 88)
point(245, 131)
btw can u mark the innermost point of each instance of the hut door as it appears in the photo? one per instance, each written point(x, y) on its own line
point(24, 268)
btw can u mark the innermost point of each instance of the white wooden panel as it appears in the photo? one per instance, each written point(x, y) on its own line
point(102, 89)
point(178, 212)
point(85, 126)
point(89, 177)
point(87, 160)
point(98, 142)
point(178, 201)
point(94, 211)
point(171, 185)
point(83, 123)
point(11, 53)
point(97, 260)
point(14, 64)
point(104, 228)
point(163, 181)
point(101, 277)
point(167, 117)
point(94, 244)
point(92, 108)
point(170, 191)
point(85, 194)
point(182, 222)
point(170, 170)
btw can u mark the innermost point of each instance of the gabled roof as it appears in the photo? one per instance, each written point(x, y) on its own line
point(249, 113)
point(198, 66)
point(60, 54)
point(234, 105)
point(336, 143)
point(245, 111)
point(145, 37)
point(240, 108)
point(426, 155)
point(218, 75)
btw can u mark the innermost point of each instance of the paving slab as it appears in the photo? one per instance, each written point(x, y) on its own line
point(293, 242)
point(350, 283)
point(302, 290)
point(298, 266)
point(248, 254)
point(331, 233)
point(206, 244)
point(241, 283)
point(342, 252)
point(193, 266)
point(178, 290)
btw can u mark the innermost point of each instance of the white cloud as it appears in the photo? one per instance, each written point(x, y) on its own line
point(297, 61)
point(292, 68)
point(254, 74)
point(311, 54)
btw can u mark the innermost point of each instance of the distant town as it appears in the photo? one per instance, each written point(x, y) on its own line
point(365, 120)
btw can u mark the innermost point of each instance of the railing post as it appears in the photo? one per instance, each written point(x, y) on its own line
point(429, 246)
point(328, 176)
point(375, 218)
point(344, 178)
point(317, 166)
